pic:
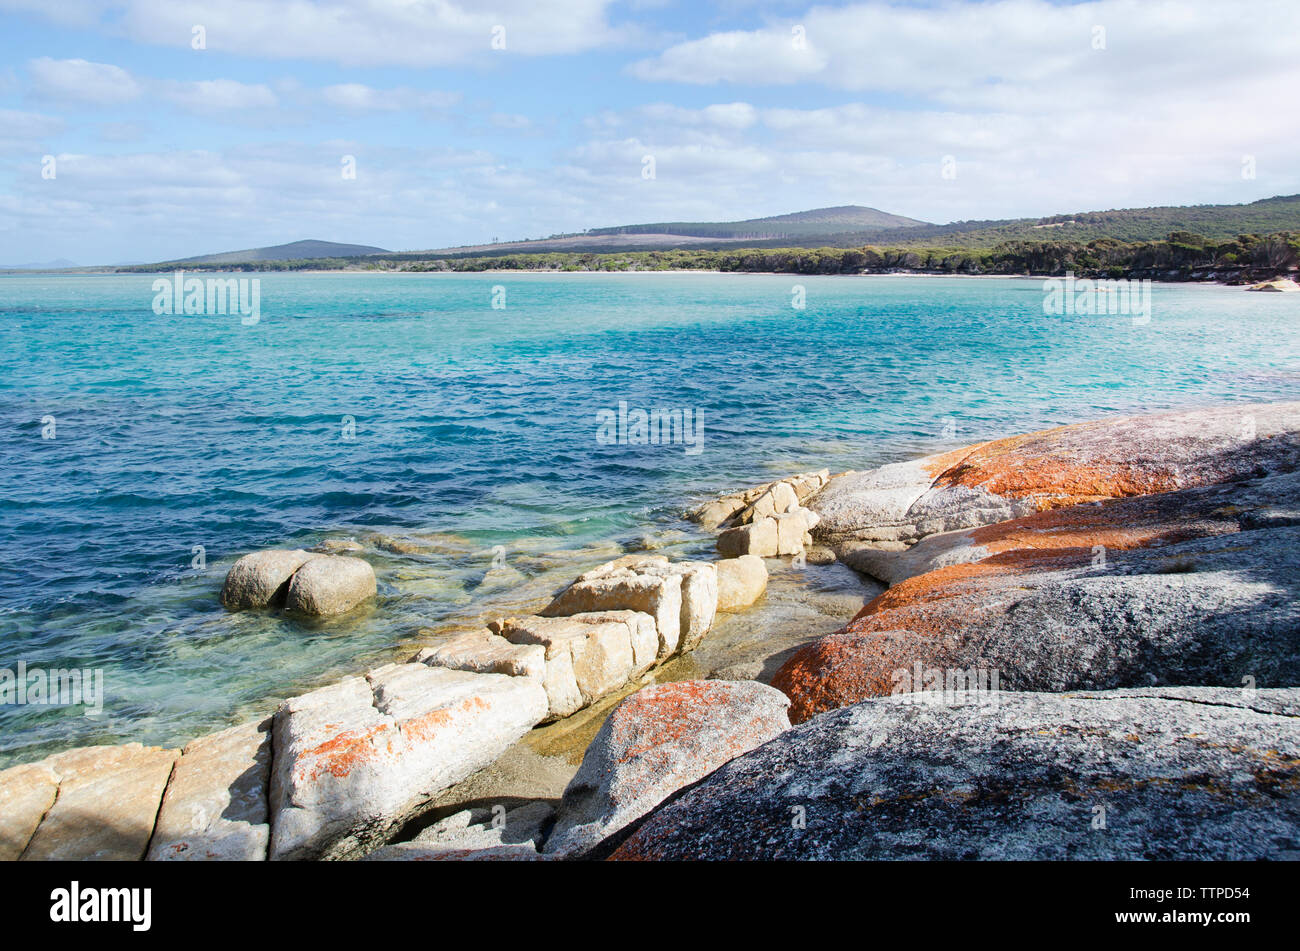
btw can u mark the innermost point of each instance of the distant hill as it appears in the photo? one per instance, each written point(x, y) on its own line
point(39, 265)
point(296, 251)
point(845, 226)
point(800, 224)
point(1213, 222)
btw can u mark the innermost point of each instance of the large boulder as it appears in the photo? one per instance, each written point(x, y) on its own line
point(330, 584)
point(741, 582)
point(1078, 533)
point(105, 806)
point(756, 538)
point(898, 504)
point(357, 758)
point(215, 806)
point(658, 740)
point(1214, 610)
point(261, 579)
point(1189, 773)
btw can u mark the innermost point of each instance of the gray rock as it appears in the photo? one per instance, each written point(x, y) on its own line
point(1009, 478)
point(1172, 773)
point(261, 579)
point(330, 584)
point(658, 740)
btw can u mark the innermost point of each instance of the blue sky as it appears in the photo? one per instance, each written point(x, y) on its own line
point(161, 150)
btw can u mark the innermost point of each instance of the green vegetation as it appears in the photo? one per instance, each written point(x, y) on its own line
point(1207, 242)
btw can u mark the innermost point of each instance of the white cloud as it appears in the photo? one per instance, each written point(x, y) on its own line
point(217, 95)
point(76, 80)
point(356, 97)
point(1011, 53)
point(418, 33)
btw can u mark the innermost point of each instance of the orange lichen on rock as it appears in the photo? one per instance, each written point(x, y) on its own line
point(846, 668)
point(340, 754)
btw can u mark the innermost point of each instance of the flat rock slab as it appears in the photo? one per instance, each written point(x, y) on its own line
point(215, 806)
point(1009, 478)
point(658, 740)
point(356, 759)
point(107, 802)
point(26, 794)
point(1159, 774)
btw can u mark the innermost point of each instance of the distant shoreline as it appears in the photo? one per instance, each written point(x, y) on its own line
point(83, 272)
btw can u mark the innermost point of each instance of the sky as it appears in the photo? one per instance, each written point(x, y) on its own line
point(146, 130)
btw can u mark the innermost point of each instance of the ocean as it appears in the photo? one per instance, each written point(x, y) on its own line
point(479, 436)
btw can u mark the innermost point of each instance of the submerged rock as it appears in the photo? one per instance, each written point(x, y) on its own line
point(356, 759)
point(1152, 774)
point(658, 740)
point(261, 579)
point(330, 584)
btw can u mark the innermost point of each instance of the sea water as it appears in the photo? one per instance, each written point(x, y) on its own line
point(452, 424)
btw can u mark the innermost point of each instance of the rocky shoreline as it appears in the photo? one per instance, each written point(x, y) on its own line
point(1089, 647)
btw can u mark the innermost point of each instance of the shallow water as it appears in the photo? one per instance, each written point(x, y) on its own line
point(477, 427)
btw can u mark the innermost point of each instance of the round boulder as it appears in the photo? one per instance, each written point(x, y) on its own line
point(329, 585)
point(261, 579)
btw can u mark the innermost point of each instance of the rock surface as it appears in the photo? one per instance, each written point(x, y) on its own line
point(26, 794)
point(587, 656)
point(106, 804)
point(733, 506)
point(658, 740)
point(1008, 478)
point(1160, 774)
point(682, 597)
point(355, 759)
point(486, 653)
point(215, 806)
point(1188, 588)
point(741, 582)
point(330, 584)
point(261, 579)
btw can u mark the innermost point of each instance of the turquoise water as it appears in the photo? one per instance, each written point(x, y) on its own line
point(476, 427)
